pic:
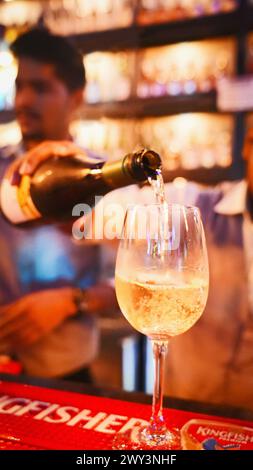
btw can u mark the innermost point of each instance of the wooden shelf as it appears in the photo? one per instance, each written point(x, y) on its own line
point(109, 40)
point(159, 106)
point(192, 29)
point(209, 176)
point(205, 27)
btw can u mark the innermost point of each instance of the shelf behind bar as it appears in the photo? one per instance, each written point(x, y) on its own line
point(157, 106)
point(192, 29)
point(224, 24)
point(209, 176)
point(108, 40)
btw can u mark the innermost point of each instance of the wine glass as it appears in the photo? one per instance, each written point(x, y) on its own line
point(161, 284)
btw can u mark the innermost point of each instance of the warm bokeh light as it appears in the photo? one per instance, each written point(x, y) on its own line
point(8, 72)
point(20, 12)
point(178, 69)
point(185, 68)
point(10, 134)
point(189, 140)
point(153, 11)
point(109, 76)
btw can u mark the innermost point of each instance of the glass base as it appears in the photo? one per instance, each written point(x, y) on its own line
point(146, 438)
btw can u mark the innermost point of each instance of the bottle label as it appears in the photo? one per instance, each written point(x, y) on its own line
point(16, 202)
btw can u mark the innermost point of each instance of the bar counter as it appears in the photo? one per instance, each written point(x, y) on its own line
point(54, 414)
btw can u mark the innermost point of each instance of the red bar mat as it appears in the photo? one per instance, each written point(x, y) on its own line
point(39, 418)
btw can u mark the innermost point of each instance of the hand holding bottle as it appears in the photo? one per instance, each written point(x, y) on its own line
point(29, 161)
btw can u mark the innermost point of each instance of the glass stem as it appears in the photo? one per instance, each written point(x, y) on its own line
point(160, 349)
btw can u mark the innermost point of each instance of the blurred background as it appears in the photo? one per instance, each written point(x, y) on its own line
point(153, 67)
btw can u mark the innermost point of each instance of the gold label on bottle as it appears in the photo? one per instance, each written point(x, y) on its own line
point(16, 202)
point(25, 200)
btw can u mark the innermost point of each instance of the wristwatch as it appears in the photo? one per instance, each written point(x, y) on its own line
point(80, 301)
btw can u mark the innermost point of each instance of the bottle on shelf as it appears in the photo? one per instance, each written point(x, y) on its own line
point(58, 184)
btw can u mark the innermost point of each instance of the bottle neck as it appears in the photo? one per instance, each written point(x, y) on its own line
point(134, 167)
point(117, 173)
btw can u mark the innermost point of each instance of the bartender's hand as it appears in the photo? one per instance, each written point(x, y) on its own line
point(248, 156)
point(101, 300)
point(29, 161)
point(28, 319)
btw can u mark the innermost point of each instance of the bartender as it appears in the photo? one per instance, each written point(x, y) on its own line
point(50, 294)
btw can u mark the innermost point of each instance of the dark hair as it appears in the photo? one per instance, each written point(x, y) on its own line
point(39, 44)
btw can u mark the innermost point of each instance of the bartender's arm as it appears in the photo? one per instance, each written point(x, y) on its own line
point(28, 319)
point(29, 161)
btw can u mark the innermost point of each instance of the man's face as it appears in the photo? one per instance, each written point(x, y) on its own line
point(43, 103)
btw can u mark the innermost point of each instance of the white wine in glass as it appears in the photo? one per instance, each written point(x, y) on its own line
point(162, 280)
